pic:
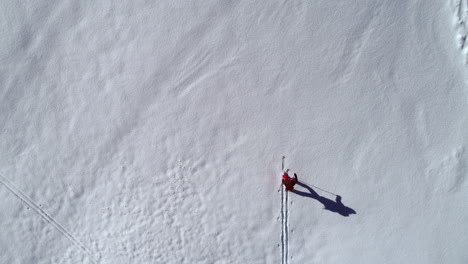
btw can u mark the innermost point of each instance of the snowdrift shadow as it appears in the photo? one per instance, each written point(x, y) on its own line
point(334, 206)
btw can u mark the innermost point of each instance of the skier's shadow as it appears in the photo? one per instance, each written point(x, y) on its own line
point(334, 206)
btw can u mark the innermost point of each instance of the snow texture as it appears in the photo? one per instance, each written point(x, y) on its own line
point(153, 131)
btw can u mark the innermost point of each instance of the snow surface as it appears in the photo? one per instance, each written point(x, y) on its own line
point(153, 131)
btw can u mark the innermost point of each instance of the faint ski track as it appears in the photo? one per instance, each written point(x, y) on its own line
point(23, 197)
point(284, 222)
point(286, 228)
point(283, 227)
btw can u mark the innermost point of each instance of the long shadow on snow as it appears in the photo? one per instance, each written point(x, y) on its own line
point(334, 206)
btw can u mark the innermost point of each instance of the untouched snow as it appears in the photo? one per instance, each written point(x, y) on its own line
point(153, 131)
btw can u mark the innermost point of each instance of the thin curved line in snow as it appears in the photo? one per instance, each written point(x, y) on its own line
point(23, 197)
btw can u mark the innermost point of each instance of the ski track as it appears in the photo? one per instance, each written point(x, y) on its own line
point(284, 222)
point(27, 200)
point(284, 226)
point(286, 230)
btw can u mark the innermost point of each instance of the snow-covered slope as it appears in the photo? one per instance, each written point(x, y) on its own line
point(153, 131)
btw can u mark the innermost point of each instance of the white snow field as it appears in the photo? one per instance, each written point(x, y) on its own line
point(153, 131)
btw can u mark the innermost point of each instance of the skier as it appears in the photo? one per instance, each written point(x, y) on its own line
point(288, 181)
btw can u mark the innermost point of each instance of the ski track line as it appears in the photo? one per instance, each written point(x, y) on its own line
point(286, 230)
point(23, 197)
point(284, 221)
point(282, 225)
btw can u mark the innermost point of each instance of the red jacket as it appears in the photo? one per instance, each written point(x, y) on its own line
point(288, 182)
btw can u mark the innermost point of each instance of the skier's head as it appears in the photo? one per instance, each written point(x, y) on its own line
point(338, 199)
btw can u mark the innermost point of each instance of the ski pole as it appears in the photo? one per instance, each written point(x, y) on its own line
point(319, 188)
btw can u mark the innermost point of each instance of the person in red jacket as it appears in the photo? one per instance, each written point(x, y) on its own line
point(288, 181)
